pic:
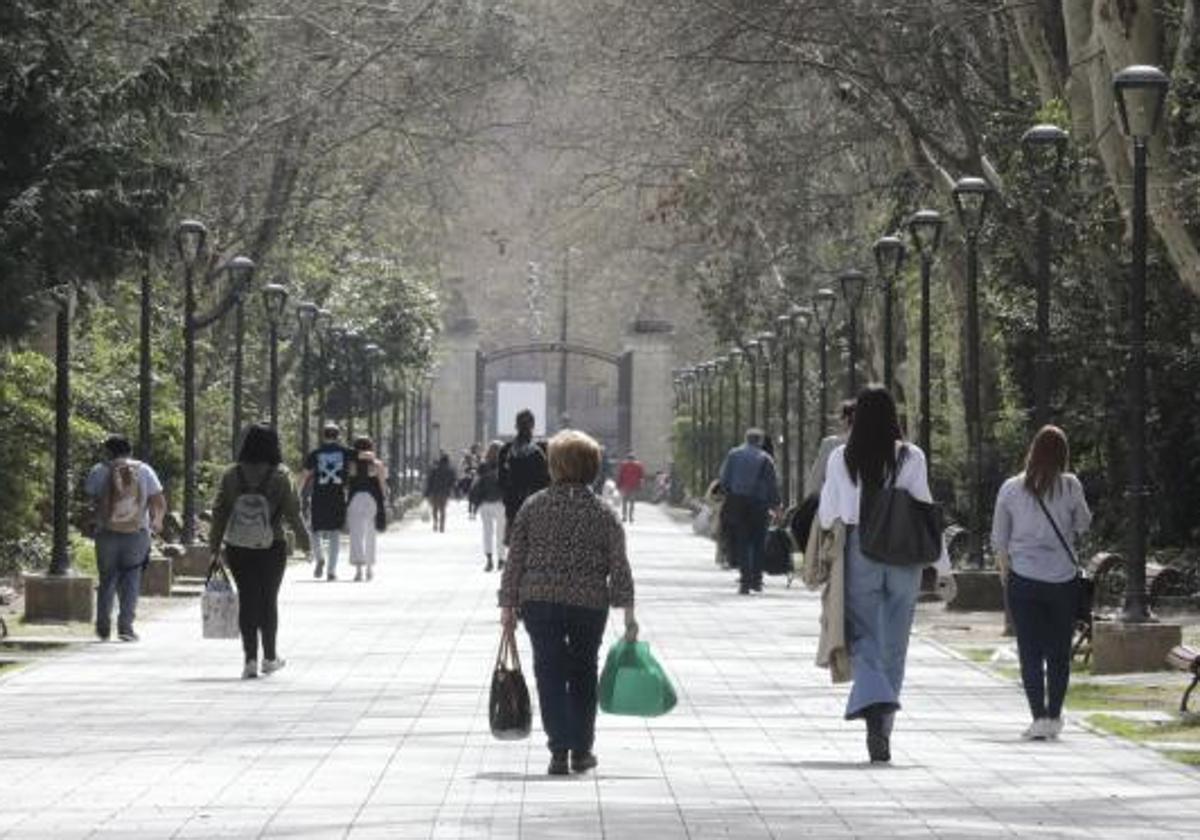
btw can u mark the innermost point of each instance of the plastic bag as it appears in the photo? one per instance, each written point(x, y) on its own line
point(510, 714)
point(633, 683)
point(219, 605)
point(702, 523)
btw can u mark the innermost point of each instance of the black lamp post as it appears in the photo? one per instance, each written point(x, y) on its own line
point(824, 303)
point(925, 228)
point(1140, 92)
point(971, 199)
point(736, 357)
point(1045, 150)
point(60, 555)
point(351, 358)
point(145, 374)
point(801, 318)
point(428, 379)
point(853, 283)
point(766, 346)
point(306, 318)
point(719, 365)
point(274, 297)
point(324, 324)
point(690, 382)
point(752, 364)
point(784, 329)
point(889, 259)
point(372, 353)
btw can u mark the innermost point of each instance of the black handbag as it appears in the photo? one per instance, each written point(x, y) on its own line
point(1085, 585)
point(509, 712)
point(899, 530)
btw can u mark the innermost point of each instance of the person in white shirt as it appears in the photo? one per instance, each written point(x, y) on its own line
point(880, 598)
point(1038, 513)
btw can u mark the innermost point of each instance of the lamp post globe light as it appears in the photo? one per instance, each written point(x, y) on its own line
point(736, 357)
point(1045, 149)
point(824, 304)
point(889, 260)
point(766, 347)
point(752, 364)
point(785, 329)
point(1141, 92)
point(854, 284)
point(972, 197)
point(274, 298)
point(801, 318)
point(925, 229)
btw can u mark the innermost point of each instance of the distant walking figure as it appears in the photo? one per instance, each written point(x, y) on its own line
point(523, 467)
point(751, 492)
point(439, 485)
point(880, 598)
point(325, 483)
point(255, 495)
point(365, 513)
point(566, 567)
point(630, 475)
point(488, 499)
point(129, 506)
point(1038, 514)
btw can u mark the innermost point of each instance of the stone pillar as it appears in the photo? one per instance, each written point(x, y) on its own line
point(454, 389)
point(54, 598)
point(158, 577)
point(651, 344)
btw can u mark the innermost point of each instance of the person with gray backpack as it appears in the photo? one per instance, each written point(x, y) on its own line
point(255, 495)
point(129, 506)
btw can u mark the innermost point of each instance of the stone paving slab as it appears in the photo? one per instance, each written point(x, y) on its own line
point(378, 727)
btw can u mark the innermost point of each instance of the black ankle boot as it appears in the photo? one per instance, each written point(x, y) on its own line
point(558, 764)
point(878, 743)
point(488, 567)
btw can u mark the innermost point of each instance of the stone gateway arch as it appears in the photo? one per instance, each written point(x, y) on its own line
point(644, 392)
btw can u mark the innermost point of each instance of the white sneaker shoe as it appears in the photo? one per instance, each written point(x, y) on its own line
point(1039, 730)
point(270, 666)
point(1054, 727)
point(250, 670)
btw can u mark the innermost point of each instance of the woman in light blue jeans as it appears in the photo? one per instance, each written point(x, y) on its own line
point(880, 598)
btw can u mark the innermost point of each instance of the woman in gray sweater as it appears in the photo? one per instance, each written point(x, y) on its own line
point(566, 567)
point(1038, 514)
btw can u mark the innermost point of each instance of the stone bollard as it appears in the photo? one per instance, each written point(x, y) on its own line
point(977, 591)
point(1120, 648)
point(158, 577)
point(192, 561)
point(52, 598)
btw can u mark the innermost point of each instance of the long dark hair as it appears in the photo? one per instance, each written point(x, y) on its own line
point(871, 449)
point(260, 445)
point(1047, 459)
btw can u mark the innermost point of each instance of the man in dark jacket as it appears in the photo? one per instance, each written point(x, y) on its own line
point(751, 493)
point(524, 469)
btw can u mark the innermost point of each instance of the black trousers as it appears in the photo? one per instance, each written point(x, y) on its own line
point(258, 573)
point(566, 644)
point(1044, 617)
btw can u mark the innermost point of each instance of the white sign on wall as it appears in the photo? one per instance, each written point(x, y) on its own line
point(513, 397)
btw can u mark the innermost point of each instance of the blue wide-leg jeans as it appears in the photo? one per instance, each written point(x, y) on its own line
point(880, 600)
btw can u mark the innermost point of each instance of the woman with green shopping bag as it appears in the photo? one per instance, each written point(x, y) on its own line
point(566, 567)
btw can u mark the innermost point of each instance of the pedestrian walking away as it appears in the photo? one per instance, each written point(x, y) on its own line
point(467, 470)
point(630, 475)
point(880, 598)
point(523, 467)
point(751, 494)
point(129, 506)
point(566, 566)
point(487, 497)
point(439, 485)
point(816, 474)
point(324, 482)
point(1039, 513)
point(254, 497)
point(366, 489)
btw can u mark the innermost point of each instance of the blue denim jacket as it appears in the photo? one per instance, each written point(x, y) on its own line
point(749, 471)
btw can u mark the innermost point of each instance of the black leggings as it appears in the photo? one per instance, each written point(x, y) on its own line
point(1044, 616)
point(258, 573)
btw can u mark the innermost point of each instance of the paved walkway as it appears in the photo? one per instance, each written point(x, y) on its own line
point(378, 727)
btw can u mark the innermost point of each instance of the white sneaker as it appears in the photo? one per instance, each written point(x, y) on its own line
point(1039, 730)
point(1054, 727)
point(270, 666)
point(250, 670)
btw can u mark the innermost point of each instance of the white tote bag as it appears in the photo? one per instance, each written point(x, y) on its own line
point(219, 605)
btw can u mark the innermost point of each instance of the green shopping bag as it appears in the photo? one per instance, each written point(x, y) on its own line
point(633, 683)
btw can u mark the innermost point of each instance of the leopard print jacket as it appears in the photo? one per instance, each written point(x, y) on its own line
point(567, 547)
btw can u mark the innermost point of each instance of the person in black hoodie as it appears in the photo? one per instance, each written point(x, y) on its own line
point(487, 498)
point(438, 487)
point(524, 469)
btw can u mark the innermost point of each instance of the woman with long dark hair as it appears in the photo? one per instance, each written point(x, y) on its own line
point(880, 598)
point(256, 494)
point(1038, 514)
point(366, 489)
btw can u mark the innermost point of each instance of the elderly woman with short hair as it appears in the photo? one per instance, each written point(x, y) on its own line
point(566, 567)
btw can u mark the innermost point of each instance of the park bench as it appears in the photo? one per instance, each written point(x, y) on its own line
point(1187, 659)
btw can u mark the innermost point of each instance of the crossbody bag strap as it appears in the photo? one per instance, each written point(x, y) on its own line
point(1063, 540)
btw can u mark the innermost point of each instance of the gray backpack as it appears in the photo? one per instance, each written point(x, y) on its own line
point(250, 522)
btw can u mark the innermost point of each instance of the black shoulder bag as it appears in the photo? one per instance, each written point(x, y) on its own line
point(898, 529)
point(1087, 589)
